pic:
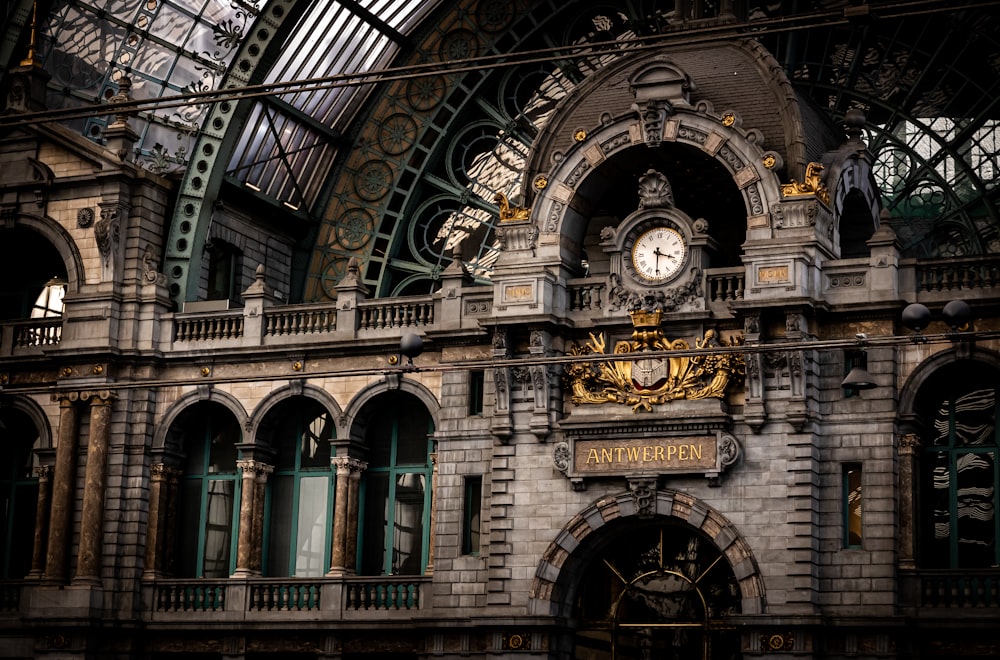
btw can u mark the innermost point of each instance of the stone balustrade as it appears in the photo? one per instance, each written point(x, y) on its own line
point(327, 598)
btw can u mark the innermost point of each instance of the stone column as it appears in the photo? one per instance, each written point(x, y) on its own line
point(249, 521)
point(351, 554)
point(260, 491)
point(44, 474)
point(909, 445)
point(432, 536)
point(168, 532)
point(63, 482)
point(88, 562)
point(156, 528)
point(338, 551)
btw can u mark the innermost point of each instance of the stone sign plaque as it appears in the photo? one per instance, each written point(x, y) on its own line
point(689, 454)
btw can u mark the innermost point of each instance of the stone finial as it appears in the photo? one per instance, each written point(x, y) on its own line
point(854, 123)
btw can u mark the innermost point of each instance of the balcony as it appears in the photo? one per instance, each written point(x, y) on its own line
point(938, 592)
point(264, 599)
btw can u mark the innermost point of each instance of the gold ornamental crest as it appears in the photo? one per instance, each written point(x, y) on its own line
point(644, 381)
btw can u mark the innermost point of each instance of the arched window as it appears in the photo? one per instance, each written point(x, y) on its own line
point(208, 513)
point(18, 493)
point(299, 508)
point(396, 493)
point(32, 276)
point(959, 468)
point(656, 589)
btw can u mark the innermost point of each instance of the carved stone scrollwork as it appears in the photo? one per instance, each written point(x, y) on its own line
point(729, 450)
point(653, 117)
point(643, 491)
point(621, 296)
point(561, 456)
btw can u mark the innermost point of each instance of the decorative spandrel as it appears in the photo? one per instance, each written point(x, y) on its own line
point(644, 381)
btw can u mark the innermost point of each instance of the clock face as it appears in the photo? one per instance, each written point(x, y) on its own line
point(658, 254)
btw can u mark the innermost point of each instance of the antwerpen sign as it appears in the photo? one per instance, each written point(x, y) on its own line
point(709, 454)
point(641, 455)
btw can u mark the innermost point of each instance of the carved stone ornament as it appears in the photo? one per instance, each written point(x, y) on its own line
point(561, 457)
point(655, 191)
point(85, 217)
point(622, 296)
point(642, 382)
point(643, 491)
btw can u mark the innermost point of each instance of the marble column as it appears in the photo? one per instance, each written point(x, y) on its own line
point(63, 482)
point(88, 561)
point(249, 519)
point(432, 535)
point(342, 465)
point(44, 474)
point(156, 528)
point(351, 541)
point(257, 543)
point(909, 445)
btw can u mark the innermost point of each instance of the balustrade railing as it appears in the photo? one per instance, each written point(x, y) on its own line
point(227, 325)
point(190, 596)
point(10, 596)
point(957, 589)
point(958, 273)
point(299, 320)
point(586, 294)
point(726, 284)
point(284, 596)
point(383, 595)
point(401, 313)
point(37, 333)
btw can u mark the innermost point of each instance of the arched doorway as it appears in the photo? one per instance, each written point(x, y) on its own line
point(656, 588)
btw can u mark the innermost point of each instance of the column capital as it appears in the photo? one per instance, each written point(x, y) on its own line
point(43, 471)
point(256, 467)
point(348, 465)
point(909, 443)
point(163, 472)
point(98, 397)
point(65, 398)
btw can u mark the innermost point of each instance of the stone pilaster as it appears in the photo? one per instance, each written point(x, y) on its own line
point(353, 516)
point(345, 466)
point(44, 475)
point(433, 517)
point(64, 478)
point(909, 445)
point(88, 563)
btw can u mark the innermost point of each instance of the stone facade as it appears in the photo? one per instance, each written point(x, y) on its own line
point(729, 409)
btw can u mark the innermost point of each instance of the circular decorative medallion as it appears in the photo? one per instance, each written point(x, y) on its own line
point(397, 133)
point(373, 180)
point(458, 45)
point(85, 217)
point(355, 228)
point(425, 93)
point(494, 16)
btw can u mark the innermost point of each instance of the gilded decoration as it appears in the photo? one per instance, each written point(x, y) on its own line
point(510, 213)
point(642, 382)
point(812, 185)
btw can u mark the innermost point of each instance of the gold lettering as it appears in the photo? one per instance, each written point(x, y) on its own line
point(682, 453)
point(618, 453)
point(592, 456)
point(658, 454)
point(606, 456)
point(633, 453)
point(696, 451)
point(671, 452)
point(645, 454)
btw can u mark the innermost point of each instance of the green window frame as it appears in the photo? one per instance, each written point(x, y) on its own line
point(853, 501)
point(395, 497)
point(960, 475)
point(298, 513)
point(18, 494)
point(472, 514)
point(208, 516)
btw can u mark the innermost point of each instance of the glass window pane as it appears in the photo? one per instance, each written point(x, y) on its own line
point(280, 527)
point(408, 525)
point(219, 528)
point(376, 519)
point(310, 544)
point(315, 444)
point(189, 517)
point(975, 514)
point(852, 506)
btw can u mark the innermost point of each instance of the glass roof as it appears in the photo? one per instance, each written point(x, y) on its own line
point(402, 171)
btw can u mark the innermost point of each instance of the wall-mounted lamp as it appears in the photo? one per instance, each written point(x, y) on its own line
point(858, 377)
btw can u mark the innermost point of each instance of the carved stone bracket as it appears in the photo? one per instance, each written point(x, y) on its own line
point(643, 491)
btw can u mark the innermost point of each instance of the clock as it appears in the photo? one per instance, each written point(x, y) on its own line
point(658, 254)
